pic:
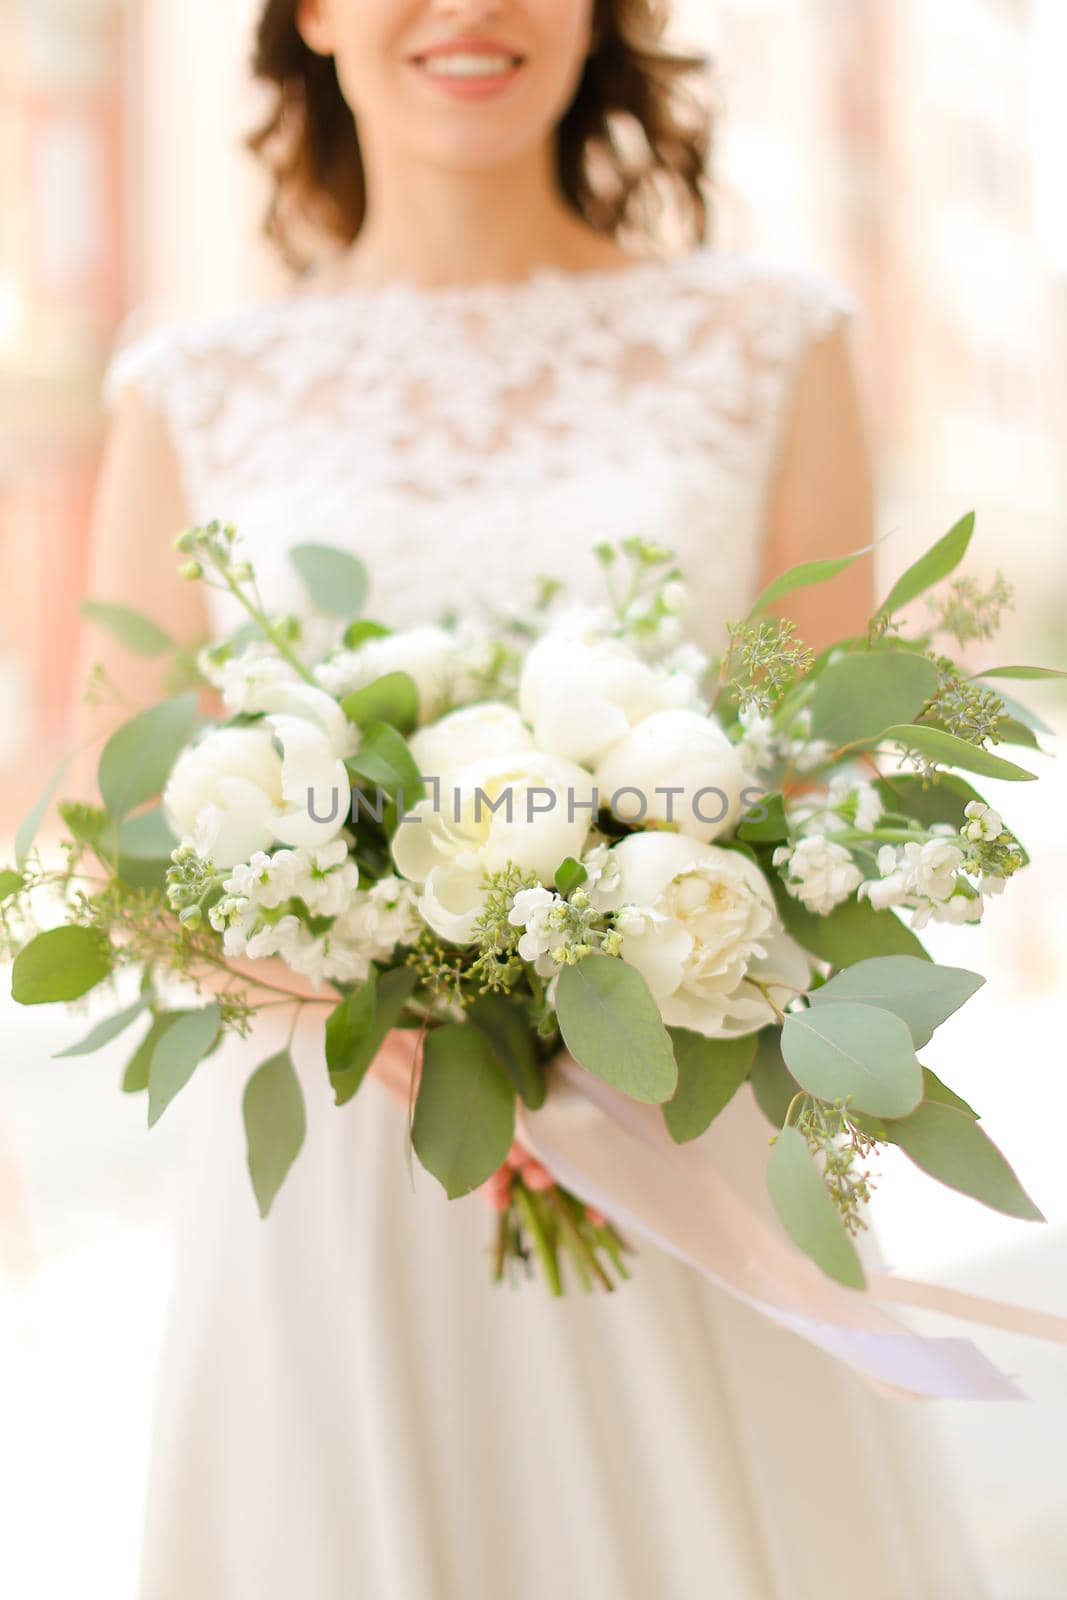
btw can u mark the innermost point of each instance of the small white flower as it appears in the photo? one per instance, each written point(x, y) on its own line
point(676, 599)
point(376, 920)
point(934, 866)
point(983, 823)
point(633, 922)
point(820, 873)
point(602, 871)
point(538, 911)
point(757, 746)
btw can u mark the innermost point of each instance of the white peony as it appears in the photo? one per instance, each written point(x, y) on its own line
point(224, 792)
point(469, 735)
point(680, 751)
point(316, 788)
point(233, 794)
point(528, 809)
point(434, 658)
point(699, 923)
point(580, 697)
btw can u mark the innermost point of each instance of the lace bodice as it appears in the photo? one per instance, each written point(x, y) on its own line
point(467, 439)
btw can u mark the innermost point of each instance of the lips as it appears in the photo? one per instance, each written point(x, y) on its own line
point(469, 47)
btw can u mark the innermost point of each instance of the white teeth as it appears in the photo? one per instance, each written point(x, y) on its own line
point(476, 66)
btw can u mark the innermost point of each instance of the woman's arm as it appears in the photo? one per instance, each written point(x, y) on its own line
point(822, 501)
point(138, 510)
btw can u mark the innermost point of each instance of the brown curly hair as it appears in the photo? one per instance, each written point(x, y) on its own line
point(310, 141)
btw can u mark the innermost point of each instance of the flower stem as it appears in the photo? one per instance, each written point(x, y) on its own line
point(546, 1250)
point(260, 618)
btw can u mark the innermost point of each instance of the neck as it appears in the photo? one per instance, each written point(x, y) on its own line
point(434, 225)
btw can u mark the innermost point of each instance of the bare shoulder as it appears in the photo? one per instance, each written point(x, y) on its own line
point(162, 359)
point(780, 309)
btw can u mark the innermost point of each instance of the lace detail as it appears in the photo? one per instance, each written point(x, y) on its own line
point(467, 435)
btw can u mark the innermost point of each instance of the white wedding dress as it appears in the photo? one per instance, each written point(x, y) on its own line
point(347, 1408)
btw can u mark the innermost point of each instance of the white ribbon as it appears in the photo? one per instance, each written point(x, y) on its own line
point(618, 1157)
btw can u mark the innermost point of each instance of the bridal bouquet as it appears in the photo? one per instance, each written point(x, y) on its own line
point(563, 834)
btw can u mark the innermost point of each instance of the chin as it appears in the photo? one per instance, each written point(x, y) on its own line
point(475, 149)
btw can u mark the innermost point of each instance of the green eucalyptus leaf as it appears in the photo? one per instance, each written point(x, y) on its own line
point(30, 825)
point(804, 576)
point(1031, 674)
point(937, 745)
point(921, 993)
point(356, 1029)
point(358, 633)
point(505, 1027)
point(939, 561)
point(335, 579)
point(62, 964)
point(385, 761)
point(934, 1089)
point(765, 821)
point(612, 1027)
point(145, 843)
point(929, 803)
point(393, 698)
point(179, 1051)
point(131, 628)
point(807, 1213)
point(570, 875)
point(1011, 731)
point(137, 759)
point(853, 931)
point(275, 1125)
point(10, 883)
point(854, 1052)
point(861, 694)
point(710, 1072)
point(135, 1077)
point(104, 1032)
point(465, 1111)
point(949, 1145)
point(772, 1084)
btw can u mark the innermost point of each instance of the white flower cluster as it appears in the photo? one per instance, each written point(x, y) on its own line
point(367, 924)
point(925, 879)
point(939, 880)
point(763, 745)
point(850, 803)
point(544, 918)
point(818, 872)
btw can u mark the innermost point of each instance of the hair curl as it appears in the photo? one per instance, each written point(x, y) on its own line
point(632, 84)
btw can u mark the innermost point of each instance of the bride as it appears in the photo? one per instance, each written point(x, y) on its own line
point(493, 368)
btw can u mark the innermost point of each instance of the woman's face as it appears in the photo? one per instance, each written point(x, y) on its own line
point(475, 107)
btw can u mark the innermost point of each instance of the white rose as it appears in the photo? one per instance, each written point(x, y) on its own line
point(469, 735)
point(679, 750)
point(700, 923)
point(581, 697)
point(528, 809)
point(431, 656)
point(224, 792)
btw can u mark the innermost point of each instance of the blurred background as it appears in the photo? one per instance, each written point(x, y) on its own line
point(912, 150)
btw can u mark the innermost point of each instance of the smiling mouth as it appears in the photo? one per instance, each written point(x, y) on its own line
point(474, 65)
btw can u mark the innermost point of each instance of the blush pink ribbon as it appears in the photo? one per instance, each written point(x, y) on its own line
point(618, 1157)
